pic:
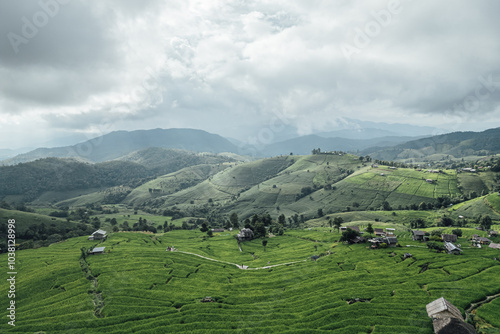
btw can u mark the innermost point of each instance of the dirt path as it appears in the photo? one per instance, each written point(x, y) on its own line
point(240, 266)
point(474, 306)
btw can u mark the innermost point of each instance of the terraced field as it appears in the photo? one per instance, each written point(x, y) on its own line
point(136, 286)
point(409, 181)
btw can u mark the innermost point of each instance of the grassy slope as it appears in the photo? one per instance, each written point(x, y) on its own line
point(148, 290)
point(25, 219)
point(264, 186)
point(230, 182)
point(173, 182)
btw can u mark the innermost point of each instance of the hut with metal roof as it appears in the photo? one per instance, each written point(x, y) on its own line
point(447, 318)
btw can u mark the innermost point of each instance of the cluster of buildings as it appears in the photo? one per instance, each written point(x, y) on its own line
point(450, 239)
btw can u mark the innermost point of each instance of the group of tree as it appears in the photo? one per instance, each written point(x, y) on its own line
point(349, 235)
point(336, 222)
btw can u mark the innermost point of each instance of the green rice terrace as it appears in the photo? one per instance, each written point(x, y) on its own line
point(137, 286)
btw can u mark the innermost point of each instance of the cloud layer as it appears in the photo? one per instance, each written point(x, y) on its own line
point(236, 67)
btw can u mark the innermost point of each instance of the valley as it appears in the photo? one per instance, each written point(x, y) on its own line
point(299, 274)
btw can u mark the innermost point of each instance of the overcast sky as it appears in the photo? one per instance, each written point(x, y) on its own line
point(240, 67)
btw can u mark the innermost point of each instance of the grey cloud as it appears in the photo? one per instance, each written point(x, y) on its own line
point(137, 64)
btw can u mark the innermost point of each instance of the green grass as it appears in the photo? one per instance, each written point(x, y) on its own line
point(148, 290)
point(173, 182)
point(493, 201)
point(25, 219)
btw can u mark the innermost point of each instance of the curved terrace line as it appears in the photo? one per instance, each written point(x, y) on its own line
point(240, 266)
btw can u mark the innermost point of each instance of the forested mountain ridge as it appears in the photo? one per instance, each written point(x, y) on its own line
point(120, 143)
point(29, 180)
point(456, 144)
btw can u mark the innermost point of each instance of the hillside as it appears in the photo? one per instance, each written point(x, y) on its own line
point(455, 145)
point(120, 143)
point(173, 182)
point(25, 182)
point(52, 180)
point(163, 161)
point(332, 183)
point(136, 286)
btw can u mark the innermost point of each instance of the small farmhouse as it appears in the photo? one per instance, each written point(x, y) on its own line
point(493, 234)
point(379, 232)
point(449, 237)
point(451, 248)
point(447, 318)
point(494, 245)
point(98, 235)
point(418, 235)
point(344, 228)
point(390, 232)
point(480, 240)
point(358, 240)
point(97, 250)
point(217, 230)
point(389, 241)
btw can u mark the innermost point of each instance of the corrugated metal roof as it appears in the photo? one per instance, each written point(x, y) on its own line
point(100, 232)
point(494, 245)
point(441, 305)
point(98, 250)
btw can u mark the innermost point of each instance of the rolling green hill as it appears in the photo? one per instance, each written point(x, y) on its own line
point(173, 182)
point(332, 183)
point(136, 286)
point(53, 180)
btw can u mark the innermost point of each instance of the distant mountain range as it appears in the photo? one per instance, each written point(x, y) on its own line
point(119, 143)
point(456, 144)
point(367, 141)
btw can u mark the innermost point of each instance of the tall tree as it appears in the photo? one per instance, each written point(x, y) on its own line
point(369, 229)
point(233, 218)
point(282, 220)
point(337, 222)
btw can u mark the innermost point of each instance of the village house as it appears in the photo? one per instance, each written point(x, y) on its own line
point(389, 241)
point(344, 228)
point(379, 232)
point(483, 241)
point(358, 240)
point(217, 230)
point(449, 237)
point(98, 235)
point(494, 245)
point(429, 180)
point(390, 232)
point(447, 318)
point(418, 235)
point(451, 248)
point(493, 234)
point(97, 250)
